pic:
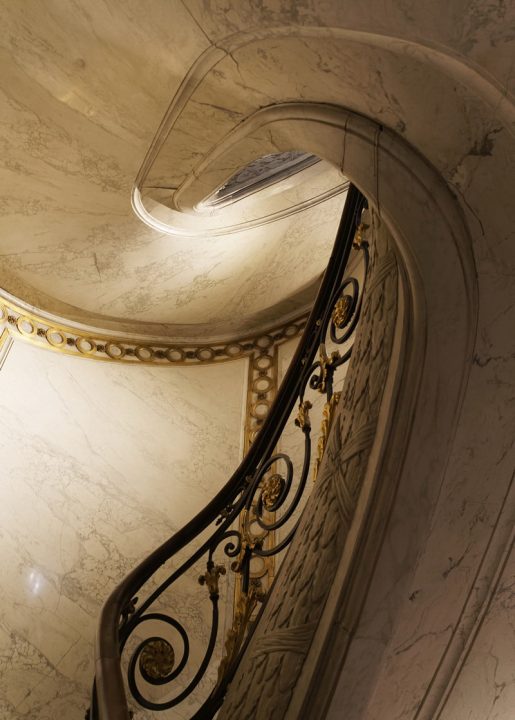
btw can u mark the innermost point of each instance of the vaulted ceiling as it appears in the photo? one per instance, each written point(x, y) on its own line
point(95, 130)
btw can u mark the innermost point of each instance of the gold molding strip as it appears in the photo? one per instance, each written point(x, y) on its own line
point(88, 343)
point(328, 414)
point(263, 379)
point(261, 389)
point(4, 336)
point(5, 345)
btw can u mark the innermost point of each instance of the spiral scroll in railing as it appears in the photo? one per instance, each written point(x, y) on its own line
point(252, 519)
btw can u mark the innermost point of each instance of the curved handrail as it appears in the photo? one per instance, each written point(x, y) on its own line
point(118, 616)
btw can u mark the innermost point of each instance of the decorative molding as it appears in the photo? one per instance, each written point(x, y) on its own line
point(196, 75)
point(261, 389)
point(6, 342)
point(371, 590)
point(59, 336)
point(444, 58)
point(146, 217)
point(245, 605)
point(293, 640)
point(263, 380)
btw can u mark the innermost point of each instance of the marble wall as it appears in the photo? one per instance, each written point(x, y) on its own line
point(418, 623)
point(100, 463)
point(414, 101)
point(485, 687)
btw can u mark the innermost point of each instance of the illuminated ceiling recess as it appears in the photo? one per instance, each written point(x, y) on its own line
point(262, 211)
point(258, 175)
point(269, 188)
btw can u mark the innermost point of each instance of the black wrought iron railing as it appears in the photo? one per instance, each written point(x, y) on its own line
point(254, 516)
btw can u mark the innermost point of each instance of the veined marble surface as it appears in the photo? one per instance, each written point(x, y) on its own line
point(99, 465)
point(485, 688)
point(76, 138)
point(83, 90)
point(436, 81)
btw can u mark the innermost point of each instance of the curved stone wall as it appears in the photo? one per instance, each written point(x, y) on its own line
point(266, 680)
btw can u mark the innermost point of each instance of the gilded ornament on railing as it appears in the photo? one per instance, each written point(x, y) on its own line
point(252, 539)
point(327, 421)
point(327, 366)
point(245, 607)
point(211, 577)
point(342, 311)
point(359, 238)
point(157, 660)
point(271, 489)
point(303, 420)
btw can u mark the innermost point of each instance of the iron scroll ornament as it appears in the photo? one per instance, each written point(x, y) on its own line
point(259, 500)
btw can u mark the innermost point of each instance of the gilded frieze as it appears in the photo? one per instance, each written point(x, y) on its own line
point(87, 342)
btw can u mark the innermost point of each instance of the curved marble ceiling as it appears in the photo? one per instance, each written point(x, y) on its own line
point(83, 91)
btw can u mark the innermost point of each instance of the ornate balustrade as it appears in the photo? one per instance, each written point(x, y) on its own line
point(254, 517)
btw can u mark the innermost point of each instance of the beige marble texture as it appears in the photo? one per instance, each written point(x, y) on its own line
point(439, 77)
point(100, 463)
point(415, 102)
point(485, 687)
point(75, 138)
point(83, 89)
